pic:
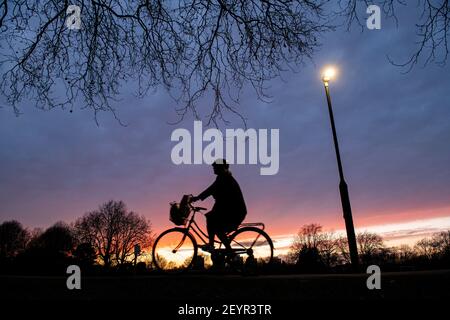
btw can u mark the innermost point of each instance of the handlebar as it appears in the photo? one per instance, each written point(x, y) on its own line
point(196, 209)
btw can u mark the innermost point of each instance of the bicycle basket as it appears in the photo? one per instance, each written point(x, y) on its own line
point(179, 212)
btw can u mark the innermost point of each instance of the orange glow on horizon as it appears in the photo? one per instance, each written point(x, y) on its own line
point(288, 227)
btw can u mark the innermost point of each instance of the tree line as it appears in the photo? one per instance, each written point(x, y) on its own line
point(103, 237)
point(104, 240)
point(316, 250)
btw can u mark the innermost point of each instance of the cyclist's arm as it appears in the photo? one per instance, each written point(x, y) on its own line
point(208, 192)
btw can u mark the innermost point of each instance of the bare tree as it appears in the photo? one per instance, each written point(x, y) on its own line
point(312, 238)
point(133, 229)
point(113, 231)
point(342, 247)
point(99, 227)
point(13, 238)
point(425, 248)
point(85, 255)
point(328, 248)
point(441, 241)
point(405, 253)
point(59, 238)
point(189, 47)
point(438, 245)
point(308, 236)
point(369, 243)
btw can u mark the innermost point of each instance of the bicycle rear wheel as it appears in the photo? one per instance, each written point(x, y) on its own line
point(175, 250)
point(252, 246)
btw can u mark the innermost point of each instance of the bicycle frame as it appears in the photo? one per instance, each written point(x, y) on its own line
point(192, 225)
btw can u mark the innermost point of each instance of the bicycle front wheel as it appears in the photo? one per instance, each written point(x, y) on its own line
point(175, 250)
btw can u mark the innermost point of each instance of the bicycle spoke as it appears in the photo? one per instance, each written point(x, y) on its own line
point(252, 243)
point(174, 250)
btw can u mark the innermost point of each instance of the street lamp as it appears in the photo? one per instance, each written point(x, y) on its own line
point(328, 74)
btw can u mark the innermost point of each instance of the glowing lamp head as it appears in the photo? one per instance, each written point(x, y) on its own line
point(328, 74)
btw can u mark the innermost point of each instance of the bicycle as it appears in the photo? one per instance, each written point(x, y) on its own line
point(176, 250)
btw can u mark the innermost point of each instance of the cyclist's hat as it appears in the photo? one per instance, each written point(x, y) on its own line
point(220, 162)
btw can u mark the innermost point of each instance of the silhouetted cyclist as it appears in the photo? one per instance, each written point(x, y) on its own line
point(229, 209)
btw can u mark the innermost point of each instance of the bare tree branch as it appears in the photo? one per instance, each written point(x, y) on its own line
point(192, 48)
point(432, 28)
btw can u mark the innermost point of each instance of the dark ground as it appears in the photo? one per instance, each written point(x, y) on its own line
point(216, 288)
point(403, 294)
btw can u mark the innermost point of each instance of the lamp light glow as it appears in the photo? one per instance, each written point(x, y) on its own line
point(328, 74)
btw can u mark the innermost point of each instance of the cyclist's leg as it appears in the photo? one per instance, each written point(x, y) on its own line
point(211, 227)
point(220, 223)
point(221, 234)
point(227, 226)
point(217, 225)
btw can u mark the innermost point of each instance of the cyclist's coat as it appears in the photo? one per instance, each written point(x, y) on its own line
point(229, 201)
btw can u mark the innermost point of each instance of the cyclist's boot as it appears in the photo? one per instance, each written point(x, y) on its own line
point(207, 248)
point(218, 260)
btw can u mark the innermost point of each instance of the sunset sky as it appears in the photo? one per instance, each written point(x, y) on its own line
point(393, 128)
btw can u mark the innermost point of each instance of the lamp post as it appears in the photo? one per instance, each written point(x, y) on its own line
point(345, 199)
